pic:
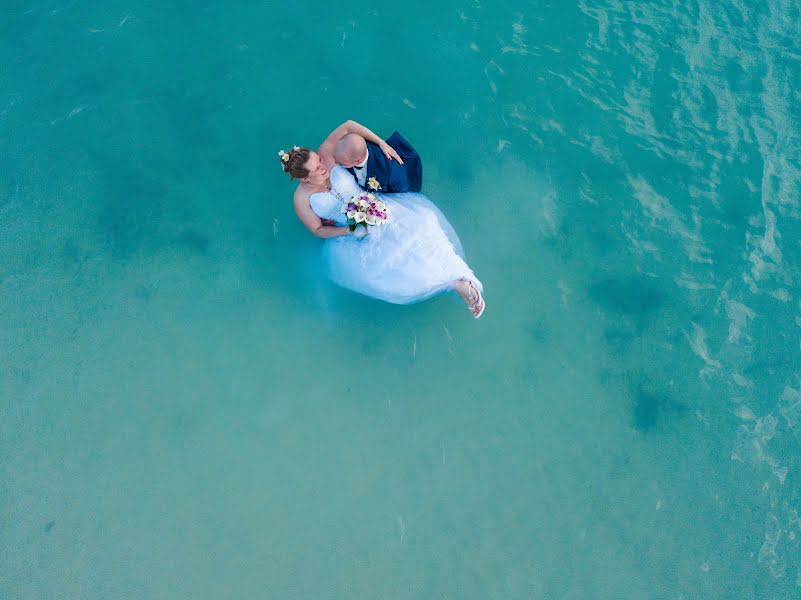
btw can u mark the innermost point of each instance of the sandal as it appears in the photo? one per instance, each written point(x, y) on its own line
point(477, 308)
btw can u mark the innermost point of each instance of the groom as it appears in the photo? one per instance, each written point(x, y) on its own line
point(375, 172)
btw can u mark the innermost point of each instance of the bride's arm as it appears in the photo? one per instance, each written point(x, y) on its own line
point(313, 223)
point(326, 231)
point(326, 149)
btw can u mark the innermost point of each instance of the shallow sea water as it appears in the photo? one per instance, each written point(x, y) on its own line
point(189, 410)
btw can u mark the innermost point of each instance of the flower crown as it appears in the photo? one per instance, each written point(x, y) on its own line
point(285, 155)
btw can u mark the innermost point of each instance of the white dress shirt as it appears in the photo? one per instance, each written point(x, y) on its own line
point(361, 174)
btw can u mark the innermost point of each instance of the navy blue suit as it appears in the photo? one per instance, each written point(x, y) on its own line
point(393, 176)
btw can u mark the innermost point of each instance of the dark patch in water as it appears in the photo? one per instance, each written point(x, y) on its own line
point(530, 375)
point(374, 346)
point(650, 408)
point(765, 365)
point(652, 402)
point(459, 171)
point(191, 116)
point(131, 212)
point(8, 191)
point(636, 300)
point(142, 292)
point(183, 420)
point(69, 250)
point(620, 336)
point(539, 332)
point(634, 297)
point(21, 376)
point(602, 239)
point(49, 526)
point(193, 241)
point(71, 253)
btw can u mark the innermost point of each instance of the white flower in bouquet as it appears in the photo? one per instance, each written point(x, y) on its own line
point(365, 210)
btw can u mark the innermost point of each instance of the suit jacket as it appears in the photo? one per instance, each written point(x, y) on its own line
point(392, 176)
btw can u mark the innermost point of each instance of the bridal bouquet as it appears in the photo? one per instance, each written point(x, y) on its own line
point(365, 209)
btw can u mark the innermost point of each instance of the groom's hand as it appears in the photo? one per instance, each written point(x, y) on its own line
point(390, 153)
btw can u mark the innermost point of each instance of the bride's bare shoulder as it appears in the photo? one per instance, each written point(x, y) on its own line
point(301, 200)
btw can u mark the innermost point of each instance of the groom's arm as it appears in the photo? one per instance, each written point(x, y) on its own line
point(326, 149)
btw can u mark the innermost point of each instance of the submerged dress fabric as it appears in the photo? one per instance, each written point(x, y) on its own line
point(412, 257)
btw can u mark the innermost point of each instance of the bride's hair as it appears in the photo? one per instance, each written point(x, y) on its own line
point(293, 161)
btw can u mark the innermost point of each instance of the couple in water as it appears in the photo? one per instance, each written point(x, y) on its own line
point(415, 255)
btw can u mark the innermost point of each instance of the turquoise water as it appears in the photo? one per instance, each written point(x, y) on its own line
point(189, 410)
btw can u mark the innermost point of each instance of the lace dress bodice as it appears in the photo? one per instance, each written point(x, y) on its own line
point(328, 205)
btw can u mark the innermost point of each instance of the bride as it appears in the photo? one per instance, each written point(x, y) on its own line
point(414, 256)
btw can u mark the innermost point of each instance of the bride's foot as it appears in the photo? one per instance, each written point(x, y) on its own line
point(472, 297)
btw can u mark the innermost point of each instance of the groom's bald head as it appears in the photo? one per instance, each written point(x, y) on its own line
point(350, 150)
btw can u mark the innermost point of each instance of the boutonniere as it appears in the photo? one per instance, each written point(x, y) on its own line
point(373, 184)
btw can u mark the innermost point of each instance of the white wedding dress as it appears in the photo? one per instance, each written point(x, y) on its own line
point(414, 256)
